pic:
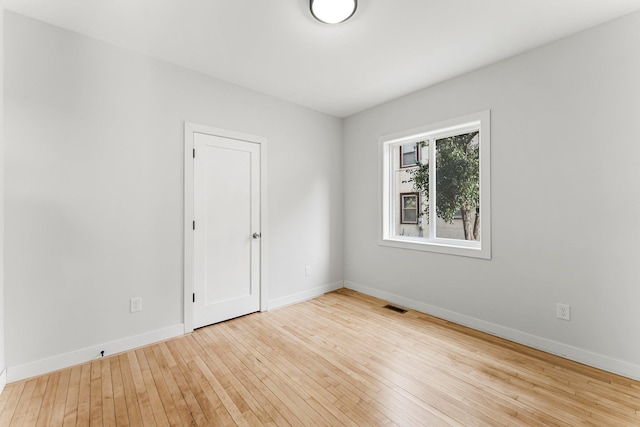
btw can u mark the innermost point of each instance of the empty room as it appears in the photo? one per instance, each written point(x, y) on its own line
point(320, 212)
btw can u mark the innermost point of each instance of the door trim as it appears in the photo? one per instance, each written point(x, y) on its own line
point(190, 129)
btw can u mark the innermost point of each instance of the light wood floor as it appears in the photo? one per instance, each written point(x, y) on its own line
point(340, 359)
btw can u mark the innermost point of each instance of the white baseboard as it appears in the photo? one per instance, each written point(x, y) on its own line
point(303, 296)
point(576, 354)
point(39, 367)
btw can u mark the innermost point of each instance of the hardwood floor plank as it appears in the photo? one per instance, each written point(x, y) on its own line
point(119, 399)
point(268, 401)
point(130, 393)
point(289, 400)
point(198, 415)
point(10, 400)
point(83, 413)
point(223, 395)
point(351, 348)
point(108, 404)
point(73, 395)
point(95, 401)
point(142, 396)
point(157, 408)
point(193, 406)
point(246, 387)
point(339, 359)
point(238, 402)
point(60, 400)
point(307, 381)
point(44, 416)
point(182, 415)
point(164, 396)
point(193, 380)
point(24, 403)
point(316, 363)
point(33, 411)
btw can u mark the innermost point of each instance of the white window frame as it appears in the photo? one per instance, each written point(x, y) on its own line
point(387, 204)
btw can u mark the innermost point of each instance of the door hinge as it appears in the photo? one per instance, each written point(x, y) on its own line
point(194, 153)
point(194, 225)
point(194, 297)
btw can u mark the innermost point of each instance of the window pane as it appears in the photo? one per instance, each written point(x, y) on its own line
point(458, 187)
point(409, 216)
point(408, 155)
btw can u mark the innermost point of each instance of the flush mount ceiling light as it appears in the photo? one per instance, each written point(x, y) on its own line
point(333, 11)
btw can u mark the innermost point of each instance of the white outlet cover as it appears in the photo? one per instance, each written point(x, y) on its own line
point(563, 311)
point(136, 304)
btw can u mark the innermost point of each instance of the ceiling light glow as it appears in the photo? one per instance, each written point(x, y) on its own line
point(333, 11)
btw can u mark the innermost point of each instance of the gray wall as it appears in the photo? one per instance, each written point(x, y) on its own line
point(94, 188)
point(2, 315)
point(565, 149)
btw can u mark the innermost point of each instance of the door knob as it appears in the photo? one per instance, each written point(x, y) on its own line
point(256, 235)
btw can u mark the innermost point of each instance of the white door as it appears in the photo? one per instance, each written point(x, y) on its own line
point(226, 229)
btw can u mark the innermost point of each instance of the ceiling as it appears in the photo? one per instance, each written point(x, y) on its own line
point(388, 49)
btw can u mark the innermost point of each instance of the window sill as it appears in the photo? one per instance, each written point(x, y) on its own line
point(443, 246)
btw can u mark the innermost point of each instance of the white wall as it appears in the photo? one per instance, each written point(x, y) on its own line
point(94, 192)
point(565, 200)
point(3, 372)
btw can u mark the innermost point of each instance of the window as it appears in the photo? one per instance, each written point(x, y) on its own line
point(435, 187)
point(409, 208)
point(409, 155)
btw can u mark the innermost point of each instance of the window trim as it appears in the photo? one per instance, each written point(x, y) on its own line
point(386, 212)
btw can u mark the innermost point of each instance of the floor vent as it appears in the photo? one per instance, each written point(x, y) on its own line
point(396, 309)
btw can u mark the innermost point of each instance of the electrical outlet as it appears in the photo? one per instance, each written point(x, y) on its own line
point(563, 311)
point(136, 304)
point(307, 270)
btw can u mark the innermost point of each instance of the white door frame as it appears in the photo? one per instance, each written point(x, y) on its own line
point(190, 129)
